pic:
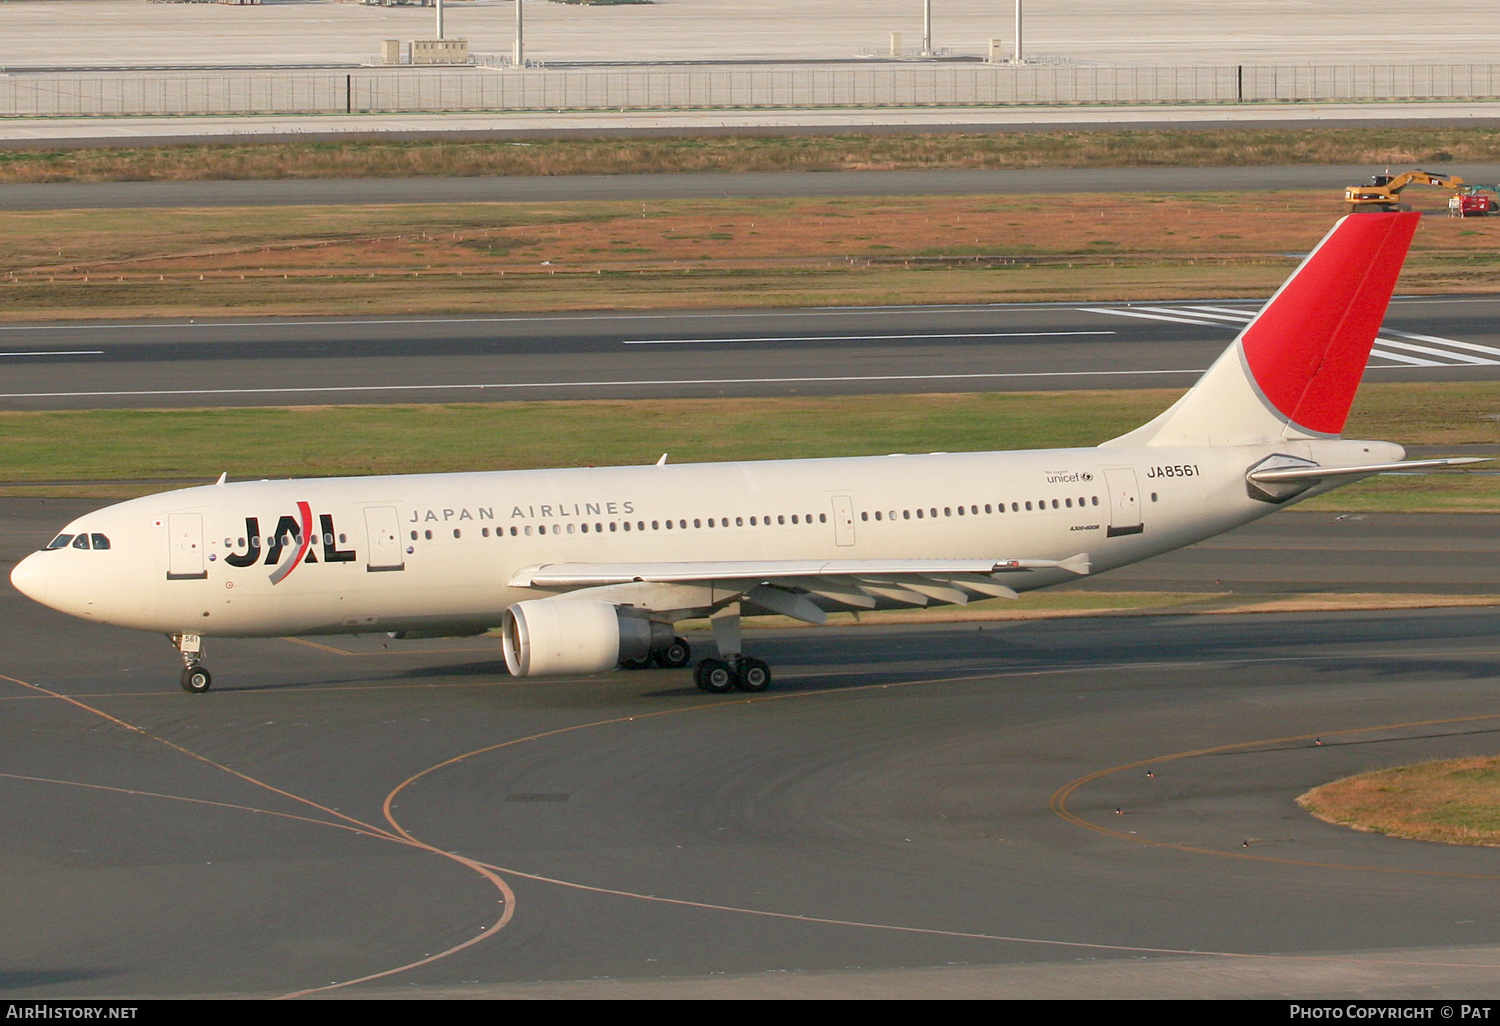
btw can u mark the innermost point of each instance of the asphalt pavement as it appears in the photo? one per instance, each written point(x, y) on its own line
point(749, 185)
point(838, 351)
point(1095, 807)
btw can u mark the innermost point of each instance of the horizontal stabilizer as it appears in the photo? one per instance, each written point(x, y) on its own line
point(1315, 473)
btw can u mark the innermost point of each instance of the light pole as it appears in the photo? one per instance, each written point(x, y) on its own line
point(927, 28)
point(519, 58)
point(1018, 59)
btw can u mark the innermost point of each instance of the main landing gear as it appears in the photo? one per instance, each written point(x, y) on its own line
point(732, 671)
point(672, 656)
point(195, 676)
point(719, 676)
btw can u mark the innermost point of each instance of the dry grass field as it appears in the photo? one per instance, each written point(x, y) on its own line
point(691, 253)
point(1454, 802)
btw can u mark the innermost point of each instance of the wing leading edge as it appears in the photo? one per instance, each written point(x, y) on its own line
point(802, 589)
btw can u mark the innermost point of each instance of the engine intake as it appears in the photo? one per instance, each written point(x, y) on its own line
point(549, 637)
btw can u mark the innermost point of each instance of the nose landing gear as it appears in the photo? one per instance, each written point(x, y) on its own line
point(195, 676)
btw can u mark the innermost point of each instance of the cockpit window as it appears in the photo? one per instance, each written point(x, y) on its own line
point(81, 542)
point(100, 541)
point(61, 541)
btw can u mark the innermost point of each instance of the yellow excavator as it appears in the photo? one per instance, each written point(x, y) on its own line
point(1384, 191)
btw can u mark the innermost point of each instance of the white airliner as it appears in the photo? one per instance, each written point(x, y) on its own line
point(587, 570)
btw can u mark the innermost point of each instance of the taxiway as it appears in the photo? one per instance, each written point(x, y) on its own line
point(1094, 807)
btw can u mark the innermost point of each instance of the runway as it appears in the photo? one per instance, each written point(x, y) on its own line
point(667, 186)
point(928, 810)
point(829, 351)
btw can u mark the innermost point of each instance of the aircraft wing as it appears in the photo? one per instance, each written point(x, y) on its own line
point(803, 589)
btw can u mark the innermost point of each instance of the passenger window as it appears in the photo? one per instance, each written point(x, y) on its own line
point(81, 542)
point(100, 541)
point(1028, 506)
point(60, 542)
point(455, 533)
point(739, 521)
point(428, 534)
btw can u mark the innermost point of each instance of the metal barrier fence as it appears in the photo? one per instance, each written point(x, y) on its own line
point(400, 89)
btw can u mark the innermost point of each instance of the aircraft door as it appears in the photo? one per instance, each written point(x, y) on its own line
point(383, 529)
point(185, 547)
point(843, 520)
point(1124, 502)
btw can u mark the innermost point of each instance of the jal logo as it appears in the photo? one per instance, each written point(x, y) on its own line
point(291, 544)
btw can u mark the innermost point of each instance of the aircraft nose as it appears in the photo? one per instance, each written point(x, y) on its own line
point(30, 577)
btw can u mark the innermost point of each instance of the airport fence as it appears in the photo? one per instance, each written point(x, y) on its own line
point(484, 88)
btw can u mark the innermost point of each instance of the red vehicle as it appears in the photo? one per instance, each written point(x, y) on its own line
point(1473, 201)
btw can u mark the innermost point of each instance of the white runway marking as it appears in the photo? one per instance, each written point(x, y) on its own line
point(1144, 315)
point(60, 352)
point(916, 337)
point(1437, 352)
point(510, 385)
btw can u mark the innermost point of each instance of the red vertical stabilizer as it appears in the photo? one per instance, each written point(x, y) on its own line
point(1292, 373)
point(1308, 347)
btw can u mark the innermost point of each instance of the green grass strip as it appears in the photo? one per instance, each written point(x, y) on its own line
point(114, 451)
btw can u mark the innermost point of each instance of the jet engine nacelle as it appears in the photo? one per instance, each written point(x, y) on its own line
point(547, 637)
